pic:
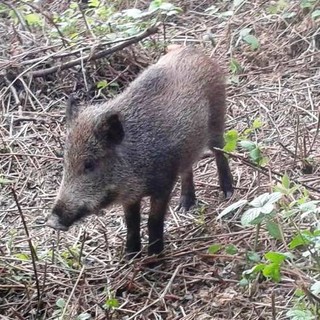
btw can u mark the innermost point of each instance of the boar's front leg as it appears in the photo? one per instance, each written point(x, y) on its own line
point(132, 217)
point(158, 210)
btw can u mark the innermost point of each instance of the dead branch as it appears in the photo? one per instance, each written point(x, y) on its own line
point(95, 56)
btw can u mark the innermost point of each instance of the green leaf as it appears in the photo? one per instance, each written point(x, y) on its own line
point(274, 229)
point(250, 216)
point(232, 207)
point(315, 14)
point(111, 303)
point(244, 282)
point(73, 5)
point(133, 13)
point(230, 146)
point(235, 66)
point(257, 123)
point(299, 292)
point(230, 138)
point(300, 240)
point(289, 15)
point(60, 303)
point(5, 181)
point(253, 256)
point(267, 208)
point(263, 161)
point(167, 6)
point(278, 7)
point(258, 268)
point(231, 135)
point(252, 41)
point(285, 181)
point(84, 316)
point(247, 145)
point(307, 4)
point(102, 84)
point(275, 257)
point(231, 249)
point(244, 32)
point(33, 19)
point(295, 314)
point(266, 198)
point(94, 3)
point(282, 4)
point(22, 256)
point(255, 155)
point(154, 5)
point(272, 271)
point(214, 248)
point(309, 206)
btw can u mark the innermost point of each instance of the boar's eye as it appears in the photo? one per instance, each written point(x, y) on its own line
point(89, 166)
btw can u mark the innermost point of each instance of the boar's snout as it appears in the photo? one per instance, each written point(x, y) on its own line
point(61, 218)
point(53, 221)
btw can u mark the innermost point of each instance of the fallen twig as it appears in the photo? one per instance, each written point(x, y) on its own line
point(96, 55)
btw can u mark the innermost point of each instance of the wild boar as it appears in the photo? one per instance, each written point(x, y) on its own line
point(139, 143)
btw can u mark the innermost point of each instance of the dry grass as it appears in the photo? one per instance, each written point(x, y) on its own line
point(84, 267)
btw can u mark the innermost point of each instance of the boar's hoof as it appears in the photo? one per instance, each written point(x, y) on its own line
point(228, 194)
point(186, 202)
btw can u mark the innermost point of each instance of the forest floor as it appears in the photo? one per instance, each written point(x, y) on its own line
point(81, 274)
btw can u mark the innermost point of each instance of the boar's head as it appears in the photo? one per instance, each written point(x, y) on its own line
point(92, 165)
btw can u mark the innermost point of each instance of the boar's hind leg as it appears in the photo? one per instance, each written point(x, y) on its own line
point(158, 210)
point(225, 176)
point(188, 197)
point(132, 216)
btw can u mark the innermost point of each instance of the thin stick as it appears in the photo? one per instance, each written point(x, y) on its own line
point(264, 170)
point(34, 257)
point(72, 293)
point(161, 297)
point(273, 306)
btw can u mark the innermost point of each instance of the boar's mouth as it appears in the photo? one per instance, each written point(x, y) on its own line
point(61, 219)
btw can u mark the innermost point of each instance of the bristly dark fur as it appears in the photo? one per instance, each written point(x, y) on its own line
point(139, 143)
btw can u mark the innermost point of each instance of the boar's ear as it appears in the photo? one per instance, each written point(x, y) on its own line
point(109, 128)
point(72, 109)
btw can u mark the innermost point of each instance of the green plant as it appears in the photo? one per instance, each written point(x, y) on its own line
point(4, 180)
point(296, 314)
point(255, 152)
point(261, 211)
point(246, 36)
point(111, 303)
point(98, 18)
point(271, 269)
point(201, 218)
point(235, 69)
point(216, 247)
point(233, 138)
point(60, 304)
point(277, 7)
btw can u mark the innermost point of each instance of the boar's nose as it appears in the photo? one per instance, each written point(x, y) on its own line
point(53, 221)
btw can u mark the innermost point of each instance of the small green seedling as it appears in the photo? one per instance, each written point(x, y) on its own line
point(271, 269)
